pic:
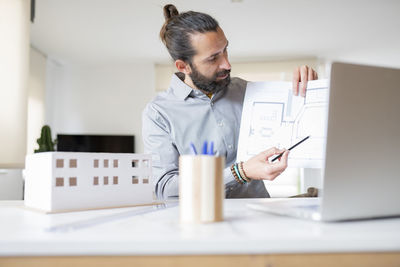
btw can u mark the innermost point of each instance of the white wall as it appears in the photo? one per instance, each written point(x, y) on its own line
point(381, 55)
point(14, 70)
point(36, 98)
point(99, 99)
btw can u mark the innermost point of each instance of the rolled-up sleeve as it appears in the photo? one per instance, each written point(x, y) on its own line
point(165, 157)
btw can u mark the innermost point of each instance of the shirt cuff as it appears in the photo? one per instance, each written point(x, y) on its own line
point(228, 176)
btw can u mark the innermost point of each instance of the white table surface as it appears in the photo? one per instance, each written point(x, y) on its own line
point(123, 231)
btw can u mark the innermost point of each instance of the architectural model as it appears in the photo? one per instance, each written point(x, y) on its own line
point(64, 181)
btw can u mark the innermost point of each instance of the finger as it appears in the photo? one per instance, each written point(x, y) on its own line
point(315, 75)
point(304, 75)
point(277, 156)
point(270, 152)
point(285, 157)
point(310, 74)
point(296, 80)
point(282, 164)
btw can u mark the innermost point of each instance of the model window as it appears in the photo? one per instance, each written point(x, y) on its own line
point(145, 163)
point(96, 180)
point(59, 181)
point(59, 163)
point(72, 181)
point(106, 163)
point(115, 165)
point(146, 180)
point(73, 163)
point(115, 180)
point(135, 163)
point(135, 180)
point(105, 180)
point(96, 163)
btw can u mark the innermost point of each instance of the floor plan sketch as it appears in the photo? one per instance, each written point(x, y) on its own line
point(272, 116)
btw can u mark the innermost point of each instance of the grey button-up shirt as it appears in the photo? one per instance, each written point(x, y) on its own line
point(181, 115)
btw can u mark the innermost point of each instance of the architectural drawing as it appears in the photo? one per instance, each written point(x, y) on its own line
point(63, 181)
point(272, 116)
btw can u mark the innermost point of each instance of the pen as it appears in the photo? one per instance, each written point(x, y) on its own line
point(193, 148)
point(211, 152)
point(204, 148)
point(280, 155)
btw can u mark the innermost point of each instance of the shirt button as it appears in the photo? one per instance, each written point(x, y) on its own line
point(212, 103)
point(230, 146)
point(220, 124)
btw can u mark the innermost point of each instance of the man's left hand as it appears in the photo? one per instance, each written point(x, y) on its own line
point(302, 75)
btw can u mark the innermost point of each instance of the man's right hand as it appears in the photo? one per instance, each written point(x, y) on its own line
point(259, 168)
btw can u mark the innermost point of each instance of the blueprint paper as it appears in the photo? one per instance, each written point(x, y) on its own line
point(273, 117)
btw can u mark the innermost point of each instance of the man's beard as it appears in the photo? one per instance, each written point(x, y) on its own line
point(210, 85)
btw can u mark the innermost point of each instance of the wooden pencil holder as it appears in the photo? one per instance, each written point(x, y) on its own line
point(201, 188)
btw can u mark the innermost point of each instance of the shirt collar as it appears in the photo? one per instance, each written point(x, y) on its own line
point(179, 87)
point(182, 90)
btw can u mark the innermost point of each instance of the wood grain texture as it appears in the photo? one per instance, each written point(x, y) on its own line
point(281, 260)
point(201, 188)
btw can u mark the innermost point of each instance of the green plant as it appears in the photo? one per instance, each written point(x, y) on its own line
point(45, 142)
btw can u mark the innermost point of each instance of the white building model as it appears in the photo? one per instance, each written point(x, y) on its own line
point(64, 181)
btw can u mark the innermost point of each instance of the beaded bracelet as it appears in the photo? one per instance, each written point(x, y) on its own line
point(236, 167)
point(235, 175)
point(242, 172)
point(239, 167)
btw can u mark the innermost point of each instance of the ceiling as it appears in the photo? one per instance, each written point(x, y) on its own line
point(104, 31)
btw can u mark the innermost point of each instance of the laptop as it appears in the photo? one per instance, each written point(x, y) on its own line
point(361, 177)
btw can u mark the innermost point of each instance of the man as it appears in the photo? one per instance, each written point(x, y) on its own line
point(204, 103)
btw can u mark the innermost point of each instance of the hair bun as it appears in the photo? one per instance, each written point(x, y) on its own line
point(170, 11)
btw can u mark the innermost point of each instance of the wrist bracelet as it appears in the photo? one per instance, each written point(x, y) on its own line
point(240, 168)
point(235, 175)
point(243, 173)
point(235, 166)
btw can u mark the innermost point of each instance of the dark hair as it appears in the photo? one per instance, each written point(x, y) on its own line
point(177, 29)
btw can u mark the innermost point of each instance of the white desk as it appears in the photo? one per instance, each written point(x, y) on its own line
point(153, 238)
